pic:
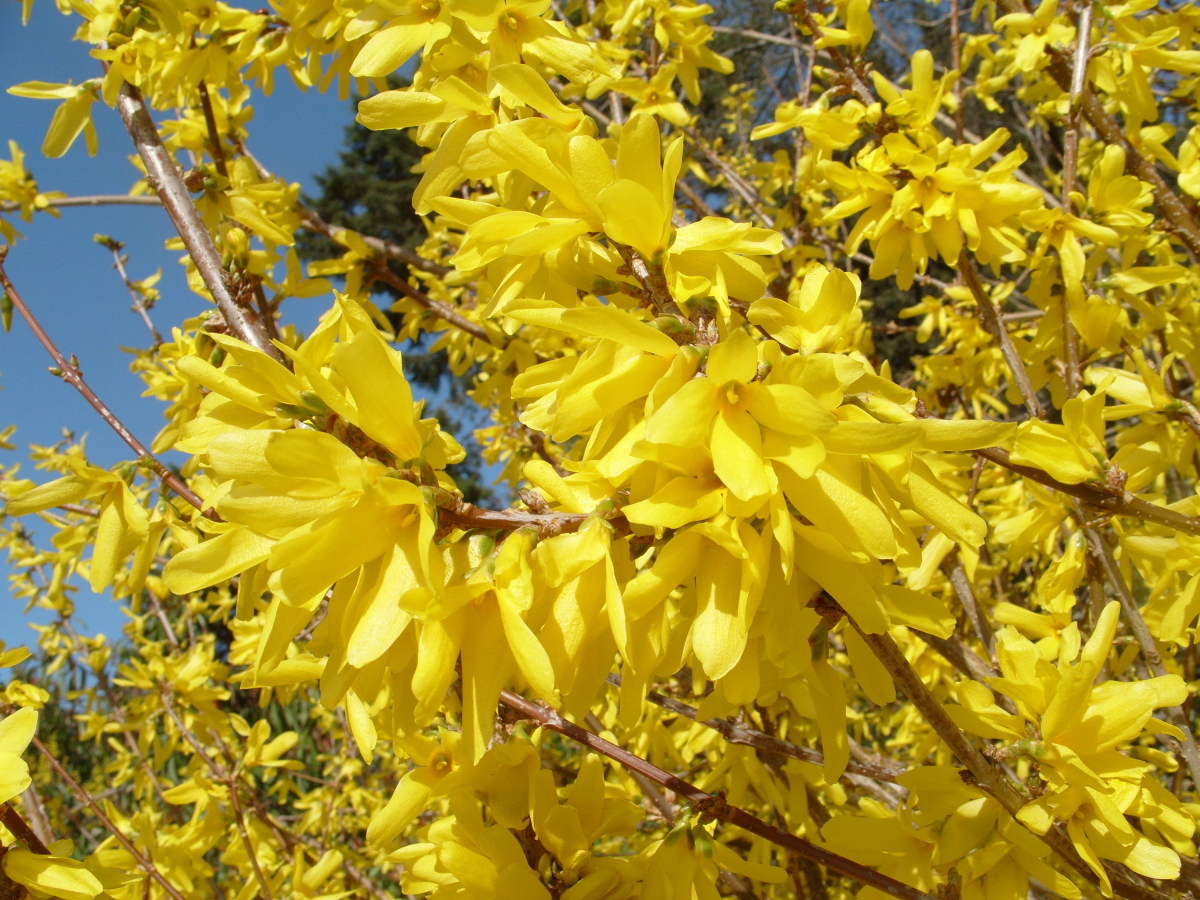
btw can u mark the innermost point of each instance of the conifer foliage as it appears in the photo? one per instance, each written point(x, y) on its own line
point(761, 620)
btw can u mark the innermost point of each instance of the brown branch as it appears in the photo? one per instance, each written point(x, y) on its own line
point(985, 774)
point(240, 819)
point(91, 200)
point(11, 819)
point(957, 575)
point(139, 302)
point(537, 442)
point(1118, 504)
point(1109, 132)
point(80, 510)
point(698, 203)
point(956, 65)
point(991, 321)
point(36, 810)
point(460, 514)
point(144, 862)
point(661, 802)
point(167, 181)
point(71, 374)
point(1073, 376)
point(214, 136)
point(313, 222)
point(1083, 29)
point(1103, 555)
point(750, 737)
point(959, 655)
point(442, 310)
point(708, 804)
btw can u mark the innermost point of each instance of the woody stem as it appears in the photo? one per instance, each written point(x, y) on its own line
point(72, 375)
point(552, 719)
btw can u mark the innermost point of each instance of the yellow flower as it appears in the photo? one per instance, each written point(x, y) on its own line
point(1091, 785)
point(16, 731)
point(942, 203)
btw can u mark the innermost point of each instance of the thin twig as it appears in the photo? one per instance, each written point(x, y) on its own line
point(735, 181)
point(91, 200)
point(71, 374)
point(144, 862)
point(708, 804)
point(699, 204)
point(956, 65)
point(1083, 30)
point(139, 302)
point(1103, 555)
point(957, 574)
point(1118, 504)
point(750, 737)
point(1073, 376)
point(214, 136)
point(442, 310)
point(991, 321)
point(985, 774)
point(756, 35)
point(240, 819)
point(660, 800)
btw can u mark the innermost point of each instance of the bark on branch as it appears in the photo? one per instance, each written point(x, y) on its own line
point(168, 184)
point(751, 737)
point(72, 375)
point(1118, 504)
point(709, 804)
point(986, 775)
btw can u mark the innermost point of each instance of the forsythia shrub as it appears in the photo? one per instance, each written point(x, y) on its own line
point(761, 619)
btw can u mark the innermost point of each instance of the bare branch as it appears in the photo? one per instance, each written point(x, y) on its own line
point(756, 35)
point(214, 136)
point(139, 302)
point(11, 819)
point(91, 200)
point(1073, 376)
point(735, 181)
point(1103, 554)
point(991, 321)
point(957, 574)
point(708, 804)
point(1118, 504)
point(144, 862)
point(313, 222)
point(265, 888)
point(457, 513)
point(442, 310)
point(168, 183)
point(750, 737)
point(71, 374)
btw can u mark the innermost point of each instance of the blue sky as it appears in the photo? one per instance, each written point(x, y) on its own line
point(68, 279)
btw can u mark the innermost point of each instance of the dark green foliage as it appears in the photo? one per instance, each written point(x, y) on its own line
point(369, 190)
